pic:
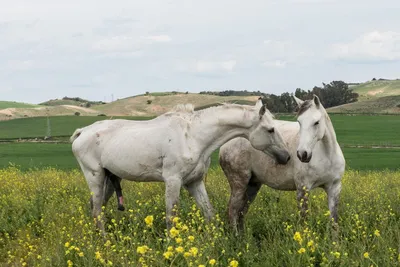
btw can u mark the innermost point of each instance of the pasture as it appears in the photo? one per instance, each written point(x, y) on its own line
point(45, 218)
point(45, 221)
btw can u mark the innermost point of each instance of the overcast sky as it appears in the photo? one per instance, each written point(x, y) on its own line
point(96, 48)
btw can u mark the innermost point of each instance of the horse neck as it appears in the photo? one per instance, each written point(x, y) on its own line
point(329, 140)
point(215, 126)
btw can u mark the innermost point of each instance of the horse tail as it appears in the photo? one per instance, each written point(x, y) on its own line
point(75, 135)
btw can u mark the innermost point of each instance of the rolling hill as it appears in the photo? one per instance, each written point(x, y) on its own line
point(159, 103)
point(379, 96)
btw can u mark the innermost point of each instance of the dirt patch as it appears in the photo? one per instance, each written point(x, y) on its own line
point(375, 92)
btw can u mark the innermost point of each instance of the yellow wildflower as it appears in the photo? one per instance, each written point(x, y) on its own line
point(168, 255)
point(179, 240)
point(301, 250)
point(377, 233)
point(336, 254)
point(202, 265)
point(69, 262)
point(366, 255)
point(297, 237)
point(191, 238)
point(187, 254)
point(194, 251)
point(67, 244)
point(142, 250)
point(234, 263)
point(170, 248)
point(80, 254)
point(174, 232)
point(212, 262)
point(175, 219)
point(179, 249)
point(97, 255)
point(149, 220)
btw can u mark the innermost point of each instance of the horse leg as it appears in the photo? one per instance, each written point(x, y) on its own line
point(198, 191)
point(116, 184)
point(333, 192)
point(95, 180)
point(251, 194)
point(236, 206)
point(172, 191)
point(302, 200)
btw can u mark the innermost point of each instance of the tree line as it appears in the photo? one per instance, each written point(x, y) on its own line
point(332, 94)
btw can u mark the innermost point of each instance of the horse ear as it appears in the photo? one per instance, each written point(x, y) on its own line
point(262, 110)
point(317, 101)
point(298, 101)
point(259, 103)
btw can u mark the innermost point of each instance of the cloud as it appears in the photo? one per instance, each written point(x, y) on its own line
point(206, 67)
point(372, 46)
point(158, 38)
point(275, 64)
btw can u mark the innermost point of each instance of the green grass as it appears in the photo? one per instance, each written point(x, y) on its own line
point(12, 104)
point(41, 155)
point(363, 129)
point(37, 126)
point(388, 87)
point(350, 130)
point(45, 221)
point(37, 155)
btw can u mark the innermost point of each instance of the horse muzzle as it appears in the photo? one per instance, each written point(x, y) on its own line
point(303, 156)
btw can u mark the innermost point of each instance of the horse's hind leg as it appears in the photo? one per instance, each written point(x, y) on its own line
point(95, 180)
point(198, 191)
point(251, 193)
point(114, 182)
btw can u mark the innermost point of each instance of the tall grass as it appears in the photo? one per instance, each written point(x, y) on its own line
point(45, 221)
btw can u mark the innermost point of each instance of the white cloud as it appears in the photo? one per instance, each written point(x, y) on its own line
point(275, 64)
point(158, 38)
point(374, 45)
point(212, 66)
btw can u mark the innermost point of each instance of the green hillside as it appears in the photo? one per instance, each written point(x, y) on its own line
point(13, 104)
point(376, 89)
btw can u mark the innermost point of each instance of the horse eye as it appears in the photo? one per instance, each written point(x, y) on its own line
point(271, 130)
point(316, 123)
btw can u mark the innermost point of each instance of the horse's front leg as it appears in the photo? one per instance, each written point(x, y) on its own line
point(198, 191)
point(302, 200)
point(333, 192)
point(172, 191)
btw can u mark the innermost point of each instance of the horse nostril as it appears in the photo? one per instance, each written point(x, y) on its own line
point(288, 158)
point(298, 155)
point(304, 156)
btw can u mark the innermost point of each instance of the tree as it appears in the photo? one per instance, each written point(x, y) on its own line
point(149, 102)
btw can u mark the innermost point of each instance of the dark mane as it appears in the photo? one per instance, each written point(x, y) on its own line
point(304, 107)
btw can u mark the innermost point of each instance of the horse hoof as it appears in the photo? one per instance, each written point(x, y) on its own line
point(121, 208)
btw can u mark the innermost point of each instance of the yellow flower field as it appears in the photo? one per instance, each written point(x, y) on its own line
point(45, 221)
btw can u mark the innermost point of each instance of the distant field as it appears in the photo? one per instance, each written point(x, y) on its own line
point(37, 126)
point(39, 155)
point(364, 129)
point(350, 130)
point(12, 104)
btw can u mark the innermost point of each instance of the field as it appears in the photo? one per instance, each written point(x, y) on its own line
point(45, 218)
point(12, 104)
point(45, 221)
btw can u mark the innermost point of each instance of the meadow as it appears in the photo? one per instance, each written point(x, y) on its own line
point(45, 218)
point(45, 221)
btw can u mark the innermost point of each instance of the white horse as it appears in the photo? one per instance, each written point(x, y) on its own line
point(173, 148)
point(320, 163)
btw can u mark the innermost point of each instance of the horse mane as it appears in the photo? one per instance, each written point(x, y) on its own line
point(304, 107)
point(187, 108)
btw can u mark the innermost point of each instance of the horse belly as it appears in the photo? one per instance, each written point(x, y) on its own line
point(280, 182)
